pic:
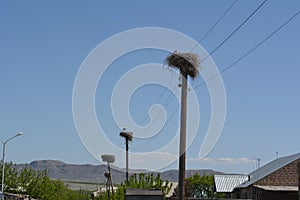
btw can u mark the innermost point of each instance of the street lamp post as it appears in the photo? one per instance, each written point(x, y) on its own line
point(3, 161)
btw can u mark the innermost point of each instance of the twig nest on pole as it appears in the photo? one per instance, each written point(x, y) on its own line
point(127, 135)
point(187, 63)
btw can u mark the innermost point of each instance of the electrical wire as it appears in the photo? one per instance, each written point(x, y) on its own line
point(230, 35)
point(203, 37)
point(250, 51)
point(214, 50)
point(236, 30)
point(169, 99)
point(215, 24)
point(159, 98)
point(234, 63)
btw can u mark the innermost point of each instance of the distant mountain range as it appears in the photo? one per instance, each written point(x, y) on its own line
point(95, 173)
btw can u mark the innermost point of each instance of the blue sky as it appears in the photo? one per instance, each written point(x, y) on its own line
point(43, 45)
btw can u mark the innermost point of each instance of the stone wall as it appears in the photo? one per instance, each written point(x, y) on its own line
point(286, 176)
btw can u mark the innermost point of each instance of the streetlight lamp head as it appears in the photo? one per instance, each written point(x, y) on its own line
point(108, 158)
point(19, 134)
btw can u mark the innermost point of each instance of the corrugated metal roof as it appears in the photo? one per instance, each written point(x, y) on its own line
point(269, 168)
point(277, 188)
point(227, 183)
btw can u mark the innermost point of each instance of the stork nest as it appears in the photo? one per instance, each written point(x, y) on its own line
point(187, 63)
point(127, 135)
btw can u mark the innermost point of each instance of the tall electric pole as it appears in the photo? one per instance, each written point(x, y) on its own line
point(182, 144)
point(188, 64)
point(128, 137)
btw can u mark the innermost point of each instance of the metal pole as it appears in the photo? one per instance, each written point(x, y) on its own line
point(128, 137)
point(108, 181)
point(3, 161)
point(127, 176)
point(3, 168)
point(182, 145)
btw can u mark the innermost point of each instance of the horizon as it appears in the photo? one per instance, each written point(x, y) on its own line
point(131, 170)
point(47, 47)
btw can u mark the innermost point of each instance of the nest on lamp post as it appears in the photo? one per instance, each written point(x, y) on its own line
point(187, 63)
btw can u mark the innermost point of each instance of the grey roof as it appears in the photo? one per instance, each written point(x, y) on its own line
point(227, 183)
point(143, 192)
point(277, 188)
point(269, 168)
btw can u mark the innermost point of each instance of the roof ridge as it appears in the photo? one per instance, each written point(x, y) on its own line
point(269, 168)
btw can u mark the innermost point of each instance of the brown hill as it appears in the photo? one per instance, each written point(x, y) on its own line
point(95, 173)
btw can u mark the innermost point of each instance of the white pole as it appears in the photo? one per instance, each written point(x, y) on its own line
point(3, 162)
point(3, 168)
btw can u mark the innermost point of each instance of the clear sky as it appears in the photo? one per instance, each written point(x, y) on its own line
point(44, 43)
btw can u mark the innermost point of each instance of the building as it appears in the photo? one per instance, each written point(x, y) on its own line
point(11, 196)
point(276, 180)
point(227, 183)
point(136, 194)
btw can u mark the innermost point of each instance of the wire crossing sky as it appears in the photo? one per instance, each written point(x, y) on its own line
point(170, 97)
point(43, 45)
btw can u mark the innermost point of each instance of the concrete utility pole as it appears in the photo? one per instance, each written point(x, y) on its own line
point(128, 137)
point(182, 145)
point(188, 64)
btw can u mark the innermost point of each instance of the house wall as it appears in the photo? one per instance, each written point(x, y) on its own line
point(286, 176)
point(278, 195)
point(260, 194)
point(245, 193)
point(143, 197)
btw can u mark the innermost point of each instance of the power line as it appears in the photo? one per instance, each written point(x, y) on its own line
point(230, 35)
point(203, 37)
point(221, 44)
point(167, 102)
point(251, 50)
point(161, 95)
point(215, 24)
point(229, 8)
point(236, 61)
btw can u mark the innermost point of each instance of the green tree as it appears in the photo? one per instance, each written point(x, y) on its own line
point(26, 178)
point(11, 177)
point(142, 181)
point(37, 184)
point(198, 186)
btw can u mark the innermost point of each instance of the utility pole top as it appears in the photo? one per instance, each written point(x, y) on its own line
point(188, 64)
point(127, 135)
